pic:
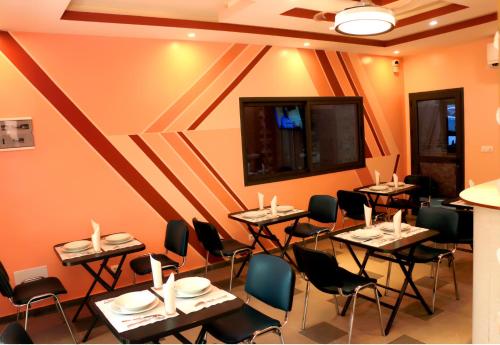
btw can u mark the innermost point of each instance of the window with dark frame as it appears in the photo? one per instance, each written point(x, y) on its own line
point(286, 138)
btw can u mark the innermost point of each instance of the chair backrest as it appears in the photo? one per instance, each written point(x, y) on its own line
point(424, 189)
point(208, 236)
point(352, 203)
point(323, 208)
point(5, 288)
point(271, 280)
point(177, 237)
point(440, 219)
point(14, 333)
point(318, 266)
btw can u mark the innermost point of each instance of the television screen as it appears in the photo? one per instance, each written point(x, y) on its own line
point(288, 117)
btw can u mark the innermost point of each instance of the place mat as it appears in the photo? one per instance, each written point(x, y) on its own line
point(268, 215)
point(385, 191)
point(189, 305)
point(381, 241)
point(104, 247)
point(124, 323)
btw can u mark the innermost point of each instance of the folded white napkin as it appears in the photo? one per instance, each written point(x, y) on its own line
point(96, 236)
point(377, 177)
point(471, 183)
point(368, 215)
point(169, 295)
point(261, 200)
point(274, 204)
point(157, 273)
point(395, 179)
point(397, 224)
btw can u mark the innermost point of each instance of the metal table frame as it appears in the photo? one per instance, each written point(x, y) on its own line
point(104, 257)
point(260, 229)
point(405, 265)
point(374, 195)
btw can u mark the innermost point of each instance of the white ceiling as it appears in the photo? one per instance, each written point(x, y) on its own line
point(44, 16)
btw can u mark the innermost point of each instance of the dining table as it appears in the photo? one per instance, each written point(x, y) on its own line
point(385, 189)
point(385, 247)
point(86, 257)
point(259, 228)
point(149, 328)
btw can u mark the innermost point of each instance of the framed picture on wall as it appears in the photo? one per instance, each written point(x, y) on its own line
point(16, 133)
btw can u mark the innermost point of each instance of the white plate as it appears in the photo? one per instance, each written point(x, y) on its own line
point(118, 238)
point(388, 226)
point(180, 294)
point(134, 301)
point(391, 184)
point(121, 311)
point(192, 285)
point(379, 187)
point(366, 234)
point(77, 246)
point(255, 214)
point(284, 208)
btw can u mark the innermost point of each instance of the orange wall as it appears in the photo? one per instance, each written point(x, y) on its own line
point(153, 91)
point(463, 66)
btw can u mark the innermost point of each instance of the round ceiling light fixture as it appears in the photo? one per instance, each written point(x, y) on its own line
point(364, 20)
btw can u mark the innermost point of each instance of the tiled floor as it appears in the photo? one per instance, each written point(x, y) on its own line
point(451, 323)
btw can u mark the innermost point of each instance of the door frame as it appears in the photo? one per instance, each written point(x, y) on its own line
point(458, 95)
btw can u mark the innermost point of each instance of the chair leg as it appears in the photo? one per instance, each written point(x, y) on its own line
point(333, 247)
point(337, 304)
point(280, 333)
point(434, 290)
point(431, 273)
point(316, 241)
point(18, 313)
point(26, 317)
point(457, 295)
point(232, 268)
point(306, 300)
point(387, 278)
point(58, 304)
point(379, 310)
point(351, 323)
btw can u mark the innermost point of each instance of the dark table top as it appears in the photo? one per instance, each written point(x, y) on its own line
point(160, 329)
point(280, 219)
point(390, 191)
point(392, 247)
point(99, 256)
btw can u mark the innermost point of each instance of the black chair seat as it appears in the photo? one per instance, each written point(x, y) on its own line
point(304, 230)
point(229, 246)
point(14, 333)
point(24, 292)
point(239, 326)
point(142, 264)
point(423, 253)
point(350, 282)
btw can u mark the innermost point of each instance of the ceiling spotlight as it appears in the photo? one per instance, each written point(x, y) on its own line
point(433, 23)
point(396, 52)
point(191, 35)
point(364, 20)
point(307, 44)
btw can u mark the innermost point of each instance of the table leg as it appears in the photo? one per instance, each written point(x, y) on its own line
point(408, 275)
point(361, 271)
point(277, 242)
point(92, 325)
point(201, 336)
point(256, 236)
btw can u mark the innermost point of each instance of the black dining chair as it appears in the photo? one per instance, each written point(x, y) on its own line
point(351, 205)
point(14, 333)
point(465, 228)
point(323, 271)
point(31, 291)
point(416, 198)
point(322, 209)
point(225, 248)
point(446, 222)
point(176, 241)
point(271, 280)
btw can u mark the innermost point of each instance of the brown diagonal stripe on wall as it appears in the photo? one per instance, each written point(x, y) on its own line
point(177, 183)
point(329, 72)
point(212, 170)
point(230, 88)
point(357, 93)
point(187, 98)
point(42, 82)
